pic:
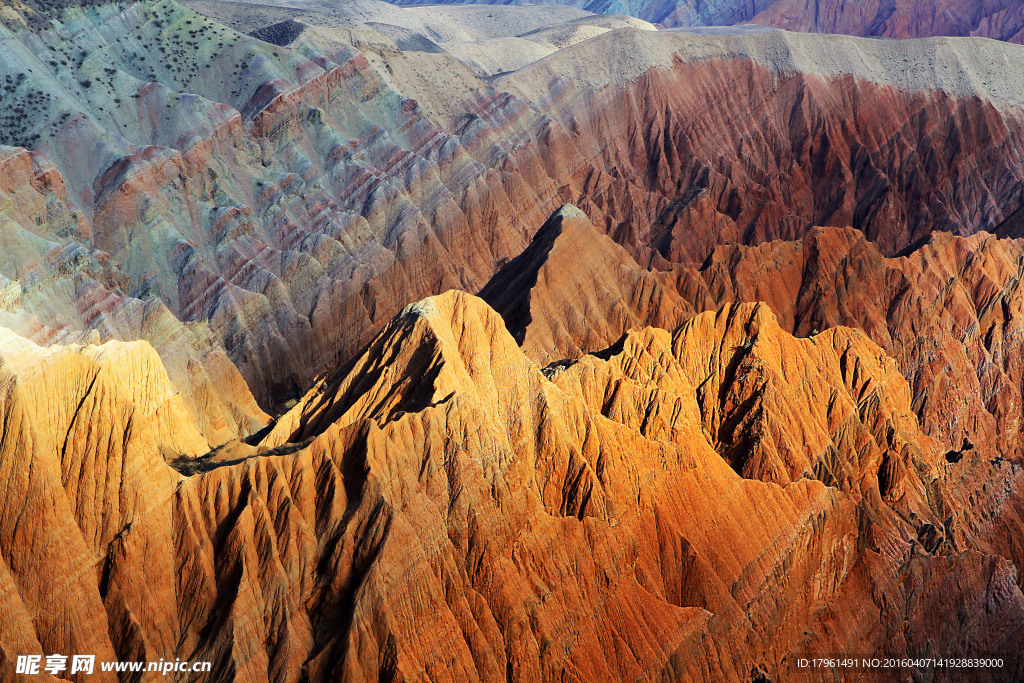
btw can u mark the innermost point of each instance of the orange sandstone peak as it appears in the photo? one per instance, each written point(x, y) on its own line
point(574, 289)
point(444, 507)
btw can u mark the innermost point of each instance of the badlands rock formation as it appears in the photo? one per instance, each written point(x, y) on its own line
point(282, 203)
point(711, 173)
point(444, 508)
point(684, 433)
point(62, 292)
point(575, 290)
point(948, 312)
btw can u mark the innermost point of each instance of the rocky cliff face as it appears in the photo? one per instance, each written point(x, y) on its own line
point(571, 519)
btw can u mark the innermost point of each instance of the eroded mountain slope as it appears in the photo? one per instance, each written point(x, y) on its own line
point(572, 521)
point(999, 19)
point(282, 203)
point(699, 502)
point(947, 311)
point(575, 290)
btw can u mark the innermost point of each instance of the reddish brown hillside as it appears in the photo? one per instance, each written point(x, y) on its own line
point(999, 19)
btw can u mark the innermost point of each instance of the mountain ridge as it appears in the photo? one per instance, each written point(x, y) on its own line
point(999, 19)
point(235, 198)
point(740, 386)
point(445, 455)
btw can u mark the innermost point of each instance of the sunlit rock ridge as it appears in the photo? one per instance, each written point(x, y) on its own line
point(354, 342)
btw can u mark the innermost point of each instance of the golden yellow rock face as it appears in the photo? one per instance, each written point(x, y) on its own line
point(632, 447)
point(703, 504)
point(86, 490)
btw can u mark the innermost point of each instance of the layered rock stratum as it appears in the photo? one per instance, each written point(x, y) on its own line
point(740, 385)
point(283, 202)
point(445, 508)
